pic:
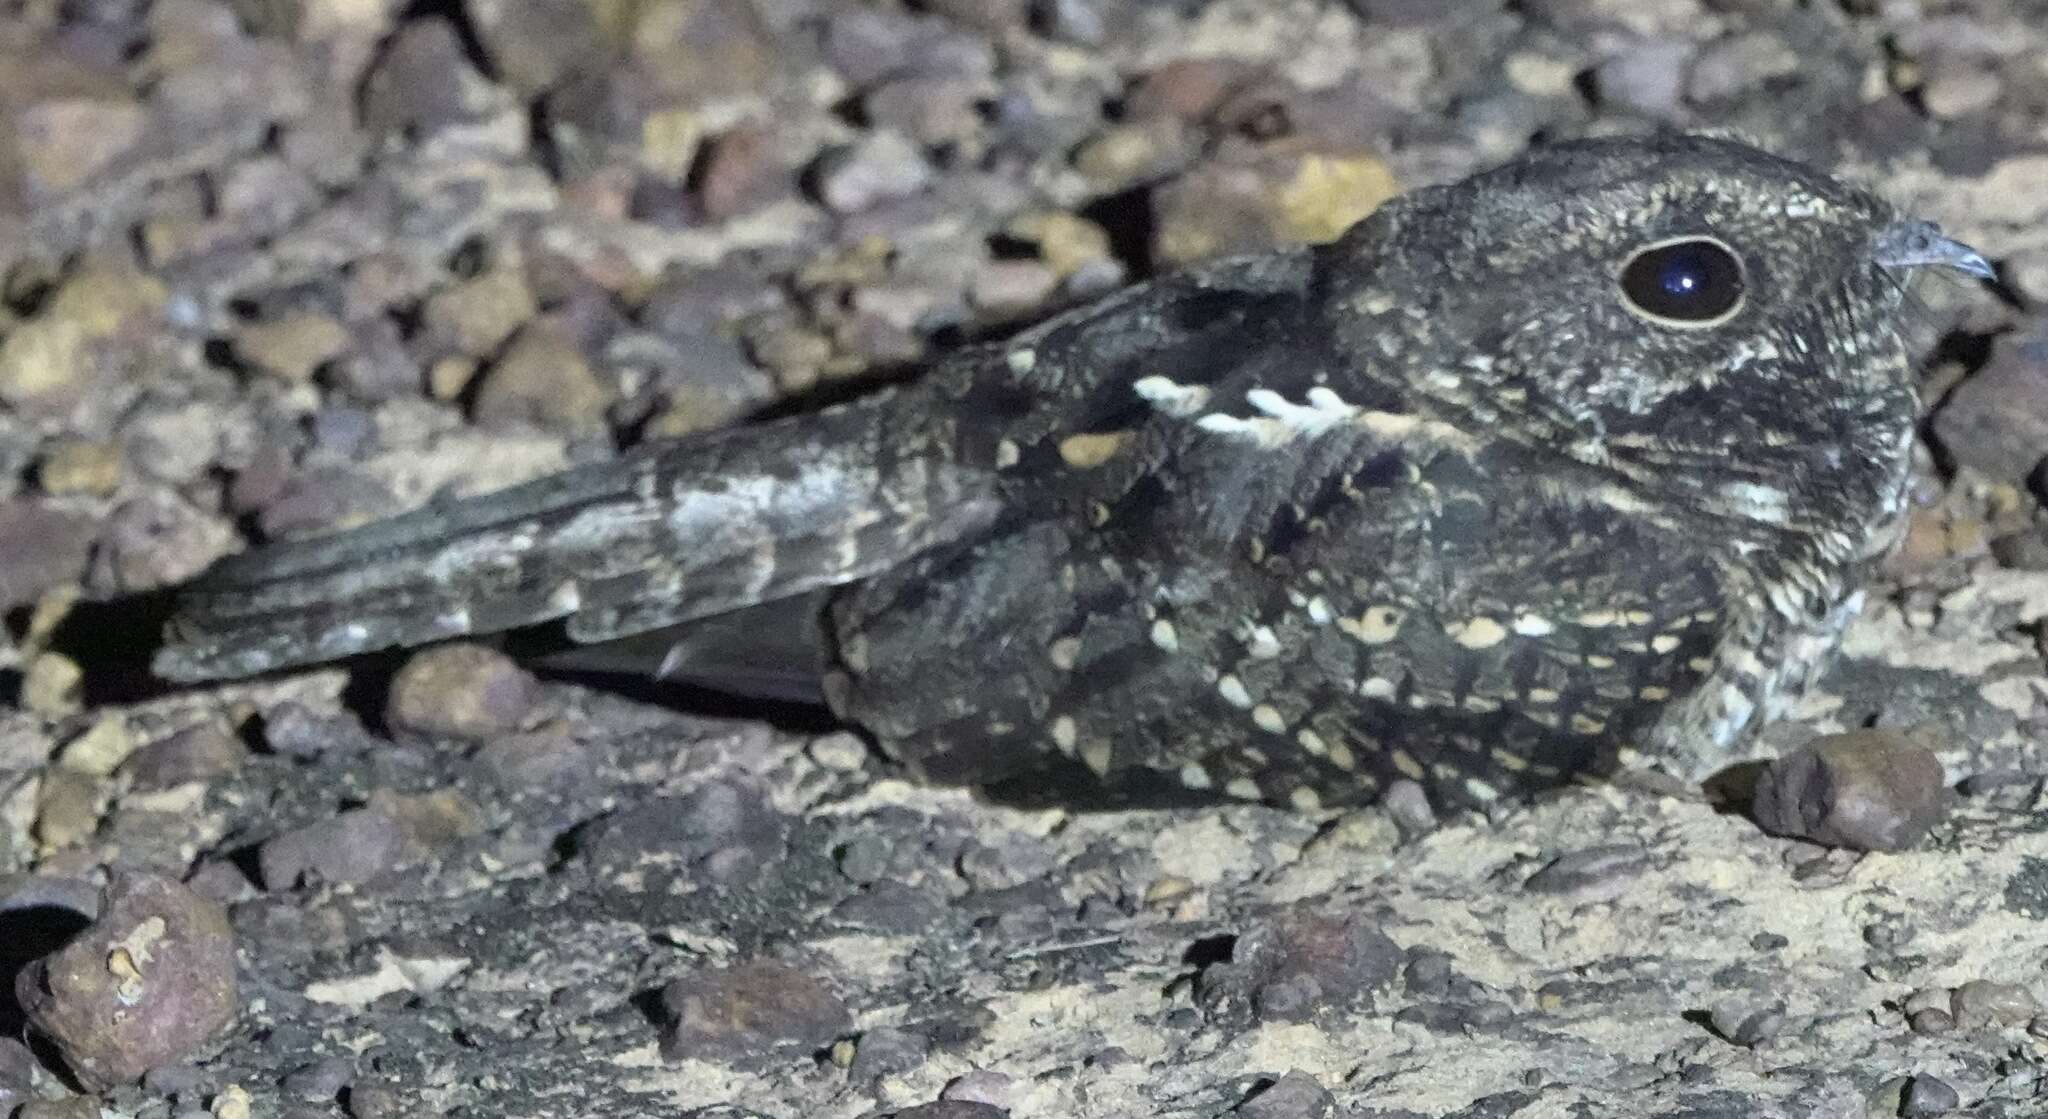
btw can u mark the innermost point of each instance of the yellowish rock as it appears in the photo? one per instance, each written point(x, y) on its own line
point(81, 466)
point(101, 749)
point(292, 346)
point(544, 380)
point(52, 684)
point(479, 314)
point(1330, 194)
point(1066, 242)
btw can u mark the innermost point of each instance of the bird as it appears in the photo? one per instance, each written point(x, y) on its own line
point(1581, 461)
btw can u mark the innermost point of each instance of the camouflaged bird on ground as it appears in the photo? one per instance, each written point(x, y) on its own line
point(1585, 456)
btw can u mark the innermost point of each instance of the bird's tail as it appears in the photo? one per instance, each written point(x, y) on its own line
point(663, 535)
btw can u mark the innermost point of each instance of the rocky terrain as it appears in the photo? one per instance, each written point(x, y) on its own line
point(269, 267)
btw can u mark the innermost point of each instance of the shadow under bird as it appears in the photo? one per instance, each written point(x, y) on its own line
point(1579, 461)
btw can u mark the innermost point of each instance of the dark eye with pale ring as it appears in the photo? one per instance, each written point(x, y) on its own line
point(1691, 281)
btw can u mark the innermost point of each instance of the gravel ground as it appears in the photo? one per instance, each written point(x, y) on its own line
point(269, 267)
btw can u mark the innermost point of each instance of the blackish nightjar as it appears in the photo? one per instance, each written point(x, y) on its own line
point(1583, 456)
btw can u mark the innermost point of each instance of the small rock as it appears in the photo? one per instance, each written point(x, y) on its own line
point(1738, 64)
point(1997, 421)
point(52, 685)
point(1953, 91)
point(1931, 1022)
point(322, 1081)
point(292, 346)
point(156, 540)
point(541, 758)
point(18, 1070)
point(477, 315)
point(323, 499)
point(1329, 194)
point(888, 1051)
point(425, 83)
point(42, 547)
point(70, 1107)
point(534, 47)
point(1126, 154)
point(1296, 1095)
point(1188, 88)
point(929, 111)
point(1298, 965)
point(293, 730)
point(881, 166)
point(62, 144)
point(1599, 871)
point(742, 170)
point(1746, 1026)
point(1408, 803)
point(86, 467)
point(1868, 790)
point(983, 1086)
point(461, 691)
point(205, 752)
point(360, 845)
point(1981, 1002)
point(749, 1010)
point(544, 379)
point(67, 808)
point(1647, 79)
point(952, 1109)
point(101, 749)
point(1008, 288)
point(1067, 243)
point(147, 983)
point(1927, 1096)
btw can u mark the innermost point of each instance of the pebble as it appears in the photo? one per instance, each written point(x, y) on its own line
point(322, 1081)
point(1408, 803)
point(42, 547)
point(1747, 1026)
point(749, 1010)
point(424, 83)
point(742, 170)
point(1928, 1096)
point(878, 167)
point(930, 111)
point(294, 730)
point(1296, 965)
point(101, 749)
point(1648, 79)
point(67, 808)
point(1600, 871)
point(477, 315)
point(461, 691)
point(360, 845)
point(80, 467)
point(544, 380)
point(983, 1086)
point(888, 1051)
point(1996, 422)
point(156, 540)
point(18, 1071)
point(1010, 288)
point(1931, 1022)
point(52, 685)
point(546, 757)
point(535, 47)
point(1296, 1095)
point(1866, 790)
point(291, 347)
point(323, 499)
point(1739, 64)
point(62, 144)
point(147, 983)
point(1982, 1002)
point(952, 1109)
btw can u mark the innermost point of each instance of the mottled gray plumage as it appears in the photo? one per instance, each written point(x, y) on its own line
point(1452, 498)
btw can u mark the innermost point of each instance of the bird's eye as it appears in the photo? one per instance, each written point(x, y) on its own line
point(1692, 281)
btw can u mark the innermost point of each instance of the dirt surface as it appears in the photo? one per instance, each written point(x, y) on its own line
point(275, 266)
